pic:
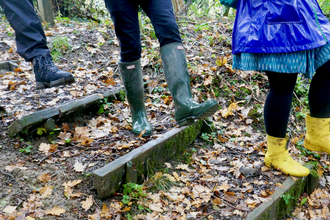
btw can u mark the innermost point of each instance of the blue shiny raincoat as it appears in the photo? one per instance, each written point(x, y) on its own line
point(279, 26)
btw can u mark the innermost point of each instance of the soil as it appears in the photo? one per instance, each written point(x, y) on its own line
point(94, 67)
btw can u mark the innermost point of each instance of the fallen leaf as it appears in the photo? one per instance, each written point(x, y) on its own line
point(224, 187)
point(55, 211)
point(87, 203)
point(208, 81)
point(217, 201)
point(13, 167)
point(294, 178)
point(95, 216)
point(72, 183)
point(79, 167)
point(183, 167)
point(156, 207)
point(9, 209)
point(170, 177)
point(168, 165)
point(105, 212)
point(46, 191)
point(177, 177)
point(44, 148)
point(45, 178)
point(68, 191)
point(86, 141)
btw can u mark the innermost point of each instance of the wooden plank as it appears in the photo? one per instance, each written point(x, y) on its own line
point(142, 161)
point(58, 112)
point(46, 11)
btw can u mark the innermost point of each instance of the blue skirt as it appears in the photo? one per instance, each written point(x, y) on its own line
point(305, 61)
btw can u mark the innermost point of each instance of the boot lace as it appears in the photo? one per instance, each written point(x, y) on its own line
point(45, 62)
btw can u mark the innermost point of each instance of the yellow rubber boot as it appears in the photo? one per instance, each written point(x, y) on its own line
point(278, 157)
point(318, 134)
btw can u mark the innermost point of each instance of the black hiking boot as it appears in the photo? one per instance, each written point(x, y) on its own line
point(47, 74)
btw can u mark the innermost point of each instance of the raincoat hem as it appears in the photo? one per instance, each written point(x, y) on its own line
point(277, 49)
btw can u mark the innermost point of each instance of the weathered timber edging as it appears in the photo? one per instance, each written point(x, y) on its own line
point(59, 111)
point(276, 207)
point(8, 65)
point(142, 161)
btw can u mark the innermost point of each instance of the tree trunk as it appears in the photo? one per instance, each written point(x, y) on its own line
point(180, 6)
point(46, 11)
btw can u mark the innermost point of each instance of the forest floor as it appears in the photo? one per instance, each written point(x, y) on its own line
point(222, 176)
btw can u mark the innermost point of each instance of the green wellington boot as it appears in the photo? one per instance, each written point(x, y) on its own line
point(178, 81)
point(132, 77)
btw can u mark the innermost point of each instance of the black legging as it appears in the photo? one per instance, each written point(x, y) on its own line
point(279, 99)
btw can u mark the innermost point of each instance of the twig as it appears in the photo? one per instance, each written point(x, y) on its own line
point(189, 22)
point(8, 174)
point(79, 147)
point(230, 205)
point(19, 202)
point(107, 148)
point(44, 158)
point(294, 93)
point(118, 216)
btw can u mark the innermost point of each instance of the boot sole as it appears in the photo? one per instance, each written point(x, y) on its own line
point(270, 165)
point(208, 112)
point(59, 82)
point(311, 147)
point(146, 134)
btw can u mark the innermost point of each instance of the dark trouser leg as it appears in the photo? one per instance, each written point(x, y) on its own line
point(124, 14)
point(162, 17)
point(278, 103)
point(319, 93)
point(30, 37)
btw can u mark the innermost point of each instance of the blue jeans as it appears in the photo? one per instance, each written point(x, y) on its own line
point(124, 14)
point(30, 37)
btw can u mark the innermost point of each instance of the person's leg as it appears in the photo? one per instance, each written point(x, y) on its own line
point(175, 64)
point(319, 93)
point(162, 17)
point(32, 43)
point(30, 37)
point(124, 14)
point(278, 103)
point(318, 121)
point(276, 115)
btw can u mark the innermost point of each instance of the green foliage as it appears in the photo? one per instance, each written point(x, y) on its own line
point(325, 6)
point(301, 90)
point(306, 152)
point(303, 201)
point(80, 9)
point(60, 46)
point(26, 150)
point(146, 27)
point(121, 95)
point(205, 8)
point(286, 198)
point(41, 131)
point(132, 192)
point(187, 157)
point(104, 106)
point(159, 182)
point(209, 138)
